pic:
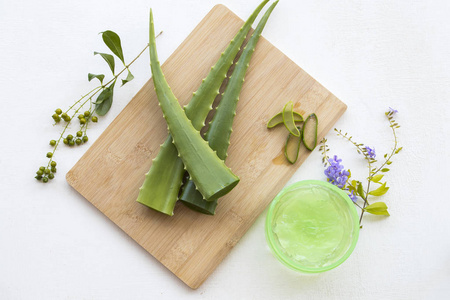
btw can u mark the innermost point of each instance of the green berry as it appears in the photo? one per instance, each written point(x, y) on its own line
point(82, 121)
point(79, 133)
point(58, 111)
point(53, 170)
point(49, 154)
point(47, 171)
point(45, 179)
point(87, 113)
point(85, 139)
point(64, 116)
point(58, 119)
point(70, 137)
point(38, 177)
point(40, 172)
point(66, 141)
point(67, 119)
point(94, 119)
point(78, 141)
point(80, 116)
point(52, 143)
point(54, 116)
point(51, 176)
point(71, 143)
point(53, 164)
point(42, 168)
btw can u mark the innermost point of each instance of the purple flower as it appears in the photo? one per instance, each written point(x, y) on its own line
point(352, 196)
point(392, 111)
point(370, 152)
point(335, 172)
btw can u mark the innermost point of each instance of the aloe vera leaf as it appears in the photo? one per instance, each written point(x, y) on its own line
point(289, 149)
point(157, 192)
point(278, 119)
point(220, 128)
point(212, 177)
point(306, 132)
point(288, 119)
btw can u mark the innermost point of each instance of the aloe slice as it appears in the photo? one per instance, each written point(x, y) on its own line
point(292, 147)
point(278, 119)
point(309, 132)
point(288, 119)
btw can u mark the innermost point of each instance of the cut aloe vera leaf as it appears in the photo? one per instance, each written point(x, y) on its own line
point(288, 119)
point(309, 131)
point(278, 119)
point(292, 147)
point(210, 174)
point(157, 192)
point(220, 127)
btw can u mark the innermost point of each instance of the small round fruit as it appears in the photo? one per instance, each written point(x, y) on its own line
point(45, 179)
point(78, 141)
point(85, 139)
point(52, 143)
point(79, 133)
point(47, 171)
point(87, 113)
point(49, 154)
point(70, 137)
point(66, 141)
point(82, 121)
point(58, 111)
point(53, 164)
point(40, 172)
point(94, 119)
point(71, 143)
point(51, 176)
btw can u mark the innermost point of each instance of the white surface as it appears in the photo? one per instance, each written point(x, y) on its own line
point(370, 54)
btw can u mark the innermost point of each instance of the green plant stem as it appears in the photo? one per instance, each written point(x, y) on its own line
point(92, 93)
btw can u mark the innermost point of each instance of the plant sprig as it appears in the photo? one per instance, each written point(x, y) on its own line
point(99, 107)
point(337, 175)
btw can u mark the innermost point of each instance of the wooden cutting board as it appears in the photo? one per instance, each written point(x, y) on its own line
point(189, 244)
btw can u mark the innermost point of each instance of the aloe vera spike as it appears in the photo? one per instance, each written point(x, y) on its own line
point(220, 128)
point(288, 119)
point(278, 119)
point(157, 192)
point(212, 177)
point(311, 116)
point(299, 142)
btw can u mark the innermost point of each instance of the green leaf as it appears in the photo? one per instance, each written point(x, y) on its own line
point(99, 77)
point(112, 40)
point(377, 178)
point(398, 150)
point(379, 191)
point(377, 208)
point(389, 162)
point(109, 59)
point(104, 100)
point(384, 170)
point(360, 190)
point(128, 79)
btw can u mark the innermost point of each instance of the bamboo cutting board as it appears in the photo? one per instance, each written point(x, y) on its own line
point(189, 244)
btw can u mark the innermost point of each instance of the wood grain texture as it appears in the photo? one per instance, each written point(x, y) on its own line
point(189, 244)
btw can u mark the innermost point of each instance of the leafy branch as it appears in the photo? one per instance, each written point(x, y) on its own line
point(336, 174)
point(99, 107)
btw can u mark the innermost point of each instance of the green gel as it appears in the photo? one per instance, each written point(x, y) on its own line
point(312, 226)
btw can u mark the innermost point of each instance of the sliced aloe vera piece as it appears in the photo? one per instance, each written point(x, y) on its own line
point(292, 147)
point(288, 119)
point(309, 132)
point(278, 119)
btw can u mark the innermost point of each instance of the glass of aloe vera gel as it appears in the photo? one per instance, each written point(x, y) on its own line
point(312, 226)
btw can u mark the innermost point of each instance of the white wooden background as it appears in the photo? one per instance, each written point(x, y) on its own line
point(370, 54)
